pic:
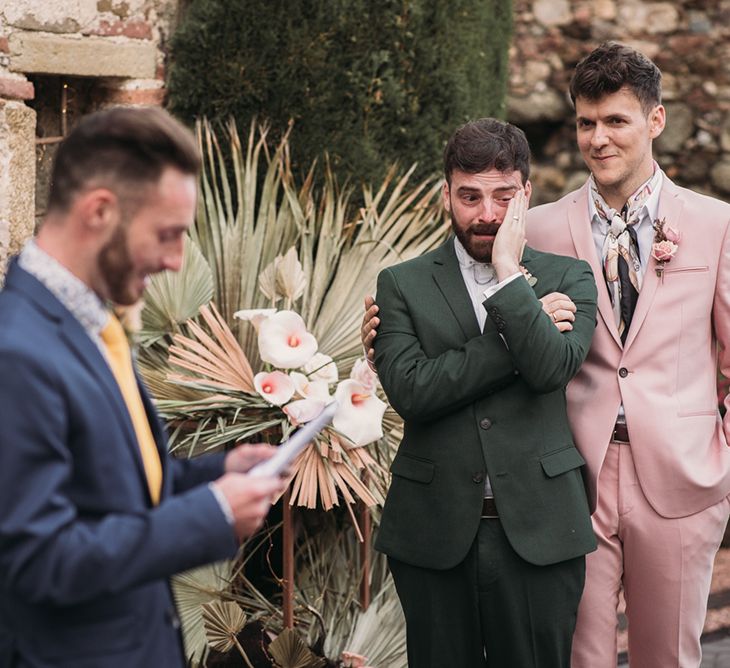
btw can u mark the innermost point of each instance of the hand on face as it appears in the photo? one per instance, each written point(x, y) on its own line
point(510, 240)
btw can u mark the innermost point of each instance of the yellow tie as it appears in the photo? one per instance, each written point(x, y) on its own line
point(120, 361)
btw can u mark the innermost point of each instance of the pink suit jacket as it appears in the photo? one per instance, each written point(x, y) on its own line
point(666, 374)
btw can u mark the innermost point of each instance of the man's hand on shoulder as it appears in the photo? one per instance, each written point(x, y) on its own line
point(560, 309)
point(368, 329)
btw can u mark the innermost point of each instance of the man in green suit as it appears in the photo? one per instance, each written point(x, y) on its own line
point(486, 523)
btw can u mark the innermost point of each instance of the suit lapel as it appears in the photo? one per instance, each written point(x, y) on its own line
point(585, 249)
point(447, 274)
point(83, 348)
point(670, 209)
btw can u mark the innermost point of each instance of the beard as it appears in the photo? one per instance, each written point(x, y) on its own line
point(116, 268)
point(472, 239)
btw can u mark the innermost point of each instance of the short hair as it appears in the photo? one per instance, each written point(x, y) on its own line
point(613, 66)
point(487, 143)
point(124, 149)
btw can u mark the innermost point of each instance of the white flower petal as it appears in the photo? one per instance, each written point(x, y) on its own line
point(285, 342)
point(363, 374)
point(360, 413)
point(276, 387)
point(303, 410)
point(322, 367)
point(310, 389)
point(254, 315)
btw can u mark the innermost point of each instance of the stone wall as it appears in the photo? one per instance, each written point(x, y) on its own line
point(688, 39)
point(117, 46)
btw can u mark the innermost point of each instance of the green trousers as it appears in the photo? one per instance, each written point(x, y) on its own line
point(493, 610)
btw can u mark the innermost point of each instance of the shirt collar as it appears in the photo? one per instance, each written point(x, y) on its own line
point(466, 260)
point(83, 303)
point(650, 209)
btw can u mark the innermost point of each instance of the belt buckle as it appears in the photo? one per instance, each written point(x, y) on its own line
point(489, 509)
point(620, 433)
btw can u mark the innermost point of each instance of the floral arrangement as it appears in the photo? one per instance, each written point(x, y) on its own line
point(296, 382)
point(255, 334)
point(666, 244)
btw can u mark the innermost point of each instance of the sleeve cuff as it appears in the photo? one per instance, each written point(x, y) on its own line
point(494, 289)
point(222, 502)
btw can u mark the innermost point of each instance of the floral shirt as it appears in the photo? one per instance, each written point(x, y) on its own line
point(83, 303)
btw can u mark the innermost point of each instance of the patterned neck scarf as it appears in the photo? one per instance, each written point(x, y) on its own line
point(621, 242)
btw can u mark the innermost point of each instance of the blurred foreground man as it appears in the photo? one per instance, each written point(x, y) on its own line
point(486, 522)
point(643, 408)
point(94, 516)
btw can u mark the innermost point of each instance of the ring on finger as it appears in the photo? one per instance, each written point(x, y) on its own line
point(554, 316)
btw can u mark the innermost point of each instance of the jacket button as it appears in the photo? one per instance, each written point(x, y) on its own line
point(485, 423)
point(623, 372)
point(478, 477)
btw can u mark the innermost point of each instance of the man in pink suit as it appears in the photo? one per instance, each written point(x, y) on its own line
point(643, 408)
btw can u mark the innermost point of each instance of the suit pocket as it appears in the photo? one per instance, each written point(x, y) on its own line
point(680, 270)
point(561, 461)
point(419, 470)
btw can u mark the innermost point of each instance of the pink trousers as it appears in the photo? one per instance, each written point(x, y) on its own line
point(664, 566)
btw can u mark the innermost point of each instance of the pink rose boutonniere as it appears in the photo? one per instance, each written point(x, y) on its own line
point(665, 246)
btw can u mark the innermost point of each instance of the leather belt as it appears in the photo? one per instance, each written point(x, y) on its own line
point(489, 508)
point(620, 433)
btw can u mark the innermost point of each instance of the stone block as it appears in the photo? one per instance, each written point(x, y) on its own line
point(46, 53)
point(17, 177)
point(552, 12)
point(539, 105)
point(15, 88)
point(132, 28)
point(56, 17)
point(679, 128)
point(720, 176)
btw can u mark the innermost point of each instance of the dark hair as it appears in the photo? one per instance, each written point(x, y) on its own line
point(612, 66)
point(486, 144)
point(123, 149)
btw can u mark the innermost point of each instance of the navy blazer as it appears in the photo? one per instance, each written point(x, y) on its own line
point(84, 556)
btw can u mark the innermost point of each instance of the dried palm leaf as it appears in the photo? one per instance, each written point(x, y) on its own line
point(223, 621)
point(219, 359)
point(290, 651)
point(191, 590)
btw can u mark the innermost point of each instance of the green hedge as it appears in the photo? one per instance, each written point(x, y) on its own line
point(369, 81)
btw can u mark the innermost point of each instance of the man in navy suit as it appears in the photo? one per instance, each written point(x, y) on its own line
point(92, 522)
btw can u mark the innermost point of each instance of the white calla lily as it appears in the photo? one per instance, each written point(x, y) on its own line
point(363, 374)
point(322, 367)
point(276, 387)
point(303, 410)
point(254, 315)
point(310, 389)
point(360, 413)
point(284, 340)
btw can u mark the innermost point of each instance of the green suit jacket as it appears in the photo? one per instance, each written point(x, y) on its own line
point(476, 403)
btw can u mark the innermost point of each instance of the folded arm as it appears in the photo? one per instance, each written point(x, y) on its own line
point(423, 387)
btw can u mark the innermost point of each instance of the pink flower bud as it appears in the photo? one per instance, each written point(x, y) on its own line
point(671, 234)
